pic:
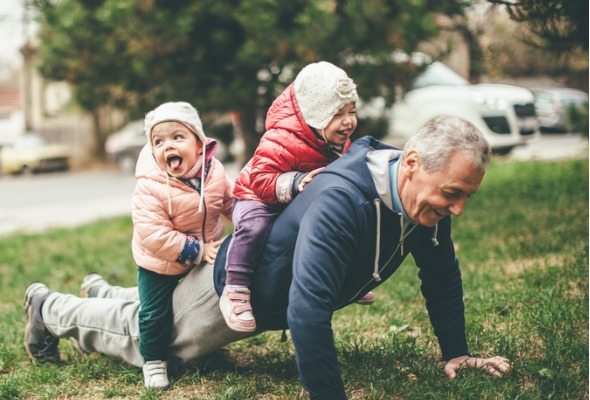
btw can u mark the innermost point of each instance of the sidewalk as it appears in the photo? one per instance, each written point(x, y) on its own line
point(38, 202)
point(553, 148)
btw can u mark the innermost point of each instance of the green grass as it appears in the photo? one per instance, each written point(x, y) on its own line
point(523, 247)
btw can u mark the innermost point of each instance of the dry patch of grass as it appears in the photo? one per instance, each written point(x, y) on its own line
point(519, 266)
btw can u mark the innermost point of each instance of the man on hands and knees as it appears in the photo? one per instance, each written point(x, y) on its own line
point(343, 236)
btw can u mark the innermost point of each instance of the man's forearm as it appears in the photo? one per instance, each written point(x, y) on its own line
point(317, 361)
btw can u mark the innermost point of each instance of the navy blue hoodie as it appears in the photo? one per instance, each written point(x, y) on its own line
point(320, 256)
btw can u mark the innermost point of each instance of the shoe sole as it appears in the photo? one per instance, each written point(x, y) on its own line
point(157, 388)
point(239, 328)
point(26, 304)
point(89, 281)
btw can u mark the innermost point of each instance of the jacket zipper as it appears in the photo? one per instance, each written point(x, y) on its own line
point(400, 244)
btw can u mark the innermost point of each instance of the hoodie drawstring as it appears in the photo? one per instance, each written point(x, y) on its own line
point(168, 193)
point(324, 135)
point(376, 275)
point(434, 238)
point(402, 234)
point(203, 167)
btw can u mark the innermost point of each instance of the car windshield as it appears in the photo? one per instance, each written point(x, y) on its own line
point(29, 142)
point(437, 74)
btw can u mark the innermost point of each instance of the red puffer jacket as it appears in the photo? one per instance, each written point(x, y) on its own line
point(288, 145)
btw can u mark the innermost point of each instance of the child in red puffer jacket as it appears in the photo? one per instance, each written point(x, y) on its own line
point(308, 126)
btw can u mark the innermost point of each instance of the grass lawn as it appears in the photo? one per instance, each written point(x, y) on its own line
point(523, 248)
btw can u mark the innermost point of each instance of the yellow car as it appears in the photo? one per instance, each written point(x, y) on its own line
point(30, 152)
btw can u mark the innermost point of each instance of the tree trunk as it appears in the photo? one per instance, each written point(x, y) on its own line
point(98, 134)
point(251, 135)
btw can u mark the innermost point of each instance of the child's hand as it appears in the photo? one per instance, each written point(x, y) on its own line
point(210, 250)
point(307, 178)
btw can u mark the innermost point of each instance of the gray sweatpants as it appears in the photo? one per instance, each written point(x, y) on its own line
point(109, 324)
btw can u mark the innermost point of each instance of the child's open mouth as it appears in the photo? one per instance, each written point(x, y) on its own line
point(174, 161)
point(344, 132)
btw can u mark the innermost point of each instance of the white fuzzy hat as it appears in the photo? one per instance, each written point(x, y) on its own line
point(321, 89)
point(179, 111)
point(187, 115)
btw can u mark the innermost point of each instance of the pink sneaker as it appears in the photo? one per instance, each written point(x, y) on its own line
point(236, 308)
point(367, 299)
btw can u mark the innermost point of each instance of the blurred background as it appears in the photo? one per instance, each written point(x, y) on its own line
point(77, 77)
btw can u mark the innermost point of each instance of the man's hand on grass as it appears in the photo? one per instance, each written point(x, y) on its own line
point(496, 366)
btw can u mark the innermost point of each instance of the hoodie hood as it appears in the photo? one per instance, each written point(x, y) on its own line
point(378, 162)
point(365, 165)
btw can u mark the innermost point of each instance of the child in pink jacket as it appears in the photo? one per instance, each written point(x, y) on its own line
point(181, 193)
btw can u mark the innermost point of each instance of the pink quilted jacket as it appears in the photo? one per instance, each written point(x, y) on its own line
point(159, 236)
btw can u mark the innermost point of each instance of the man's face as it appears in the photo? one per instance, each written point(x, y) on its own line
point(428, 197)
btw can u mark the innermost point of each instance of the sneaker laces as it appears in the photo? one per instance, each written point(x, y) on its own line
point(155, 368)
point(155, 373)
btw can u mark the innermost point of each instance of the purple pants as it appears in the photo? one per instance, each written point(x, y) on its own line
point(252, 221)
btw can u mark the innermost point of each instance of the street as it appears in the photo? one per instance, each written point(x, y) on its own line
point(552, 147)
point(36, 202)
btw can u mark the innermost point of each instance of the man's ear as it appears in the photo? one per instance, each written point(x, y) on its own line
point(411, 161)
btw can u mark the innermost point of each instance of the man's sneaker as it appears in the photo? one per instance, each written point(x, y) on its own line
point(155, 375)
point(367, 299)
point(236, 308)
point(90, 284)
point(40, 345)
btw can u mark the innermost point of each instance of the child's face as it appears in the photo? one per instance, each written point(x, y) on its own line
point(342, 125)
point(176, 149)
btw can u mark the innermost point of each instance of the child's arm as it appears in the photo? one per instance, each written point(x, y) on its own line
point(290, 184)
point(154, 229)
point(273, 169)
point(307, 178)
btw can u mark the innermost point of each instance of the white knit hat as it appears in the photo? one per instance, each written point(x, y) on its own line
point(179, 111)
point(321, 89)
point(187, 115)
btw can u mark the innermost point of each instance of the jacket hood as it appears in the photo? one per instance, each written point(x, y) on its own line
point(366, 165)
point(284, 113)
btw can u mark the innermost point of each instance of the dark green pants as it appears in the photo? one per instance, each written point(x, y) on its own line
point(155, 313)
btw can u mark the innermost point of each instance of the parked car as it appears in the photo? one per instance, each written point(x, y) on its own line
point(557, 108)
point(123, 146)
point(504, 113)
point(30, 153)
